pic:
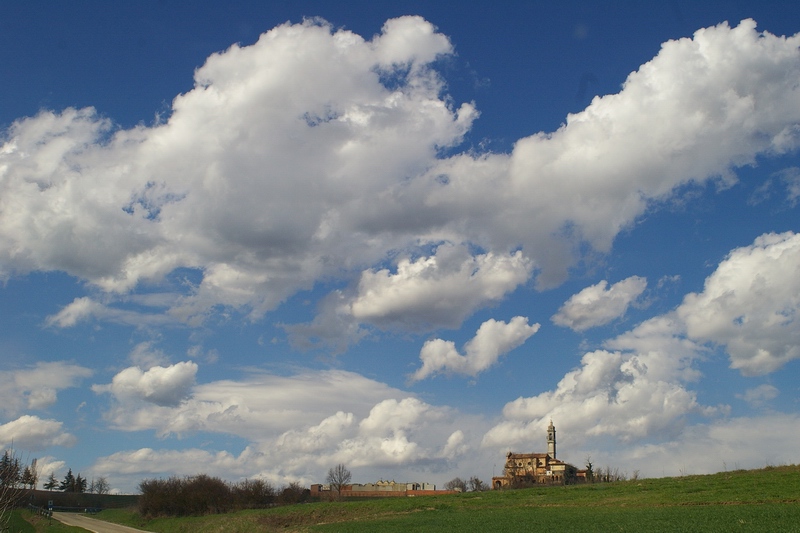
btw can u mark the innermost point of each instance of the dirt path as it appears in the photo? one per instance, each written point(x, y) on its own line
point(92, 524)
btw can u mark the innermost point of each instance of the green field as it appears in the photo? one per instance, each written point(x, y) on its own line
point(757, 500)
point(24, 521)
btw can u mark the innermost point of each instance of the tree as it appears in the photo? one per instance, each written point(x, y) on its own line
point(80, 484)
point(589, 469)
point(51, 483)
point(456, 484)
point(338, 477)
point(476, 485)
point(293, 493)
point(10, 469)
point(12, 485)
point(27, 479)
point(68, 484)
point(99, 486)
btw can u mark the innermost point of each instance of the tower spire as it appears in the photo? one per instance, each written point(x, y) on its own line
point(551, 440)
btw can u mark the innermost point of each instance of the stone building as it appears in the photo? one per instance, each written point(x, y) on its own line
point(536, 468)
point(380, 489)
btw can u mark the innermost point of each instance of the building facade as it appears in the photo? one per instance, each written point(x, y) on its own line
point(522, 469)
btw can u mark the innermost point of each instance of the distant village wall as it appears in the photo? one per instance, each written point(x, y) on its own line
point(379, 490)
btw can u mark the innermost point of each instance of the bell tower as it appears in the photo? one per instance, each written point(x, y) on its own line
point(551, 440)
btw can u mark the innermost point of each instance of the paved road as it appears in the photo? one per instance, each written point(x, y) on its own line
point(92, 524)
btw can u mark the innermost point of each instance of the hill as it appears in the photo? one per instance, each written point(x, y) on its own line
point(755, 500)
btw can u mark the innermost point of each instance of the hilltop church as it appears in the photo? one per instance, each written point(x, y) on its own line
point(537, 468)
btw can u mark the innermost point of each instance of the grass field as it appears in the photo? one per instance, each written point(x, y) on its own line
point(757, 500)
point(23, 521)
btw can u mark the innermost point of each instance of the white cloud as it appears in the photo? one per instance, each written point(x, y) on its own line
point(33, 433)
point(144, 356)
point(750, 303)
point(290, 162)
point(422, 294)
point(299, 426)
point(262, 171)
point(599, 304)
point(492, 340)
point(629, 395)
point(726, 444)
point(258, 406)
point(84, 308)
point(440, 290)
point(47, 465)
point(700, 108)
point(791, 180)
point(759, 396)
point(162, 386)
point(37, 387)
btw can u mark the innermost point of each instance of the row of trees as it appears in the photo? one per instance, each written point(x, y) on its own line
point(202, 495)
point(14, 474)
point(72, 483)
point(473, 484)
point(16, 479)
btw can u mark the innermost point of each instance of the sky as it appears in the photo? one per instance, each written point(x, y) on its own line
point(261, 239)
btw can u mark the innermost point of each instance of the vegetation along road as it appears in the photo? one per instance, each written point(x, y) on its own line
point(92, 524)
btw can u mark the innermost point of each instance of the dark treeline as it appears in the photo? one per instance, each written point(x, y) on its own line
point(202, 495)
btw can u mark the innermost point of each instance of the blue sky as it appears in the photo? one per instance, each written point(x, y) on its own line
point(260, 240)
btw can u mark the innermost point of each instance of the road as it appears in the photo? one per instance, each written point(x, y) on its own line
point(92, 524)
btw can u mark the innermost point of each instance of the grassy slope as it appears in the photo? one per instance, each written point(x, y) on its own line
point(23, 521)
point(759, 500)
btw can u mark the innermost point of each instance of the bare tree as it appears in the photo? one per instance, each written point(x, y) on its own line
point(98, 486)
point(476, 485)
point(456, 484)
point(12, 485)
point(338, 477)
point(101, 485)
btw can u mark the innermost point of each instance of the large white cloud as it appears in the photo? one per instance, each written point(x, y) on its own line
point(492, 340)
point(439, 290)
point(297, 427)
point(163, 386)
point(693, 113)
point(423, 293)
point(750, 305)
point(260, 177)
point(599, 304)
point(253, 408)
point(33, 433)
point(37, 387)
point(314, 154)
point(724, 444)
point(634, 393)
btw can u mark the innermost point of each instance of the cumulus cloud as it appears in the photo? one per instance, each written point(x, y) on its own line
point(636, 392)
point(297, 131)
point(298, 426)
point(37, 387)
point(162, 386)
point(750, 305)
point(637, 386)
point(599, 304)
point(759, 396)
point(256, 406)
point(316, 154)
point(440, 290)
point(724, 444)
point(492, 340)
point(421, 294)
point(33, 433)
point(700, 108)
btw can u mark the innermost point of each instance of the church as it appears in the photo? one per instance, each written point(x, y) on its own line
point(523, 469)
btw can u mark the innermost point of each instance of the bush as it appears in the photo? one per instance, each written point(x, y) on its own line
point(201, 495)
